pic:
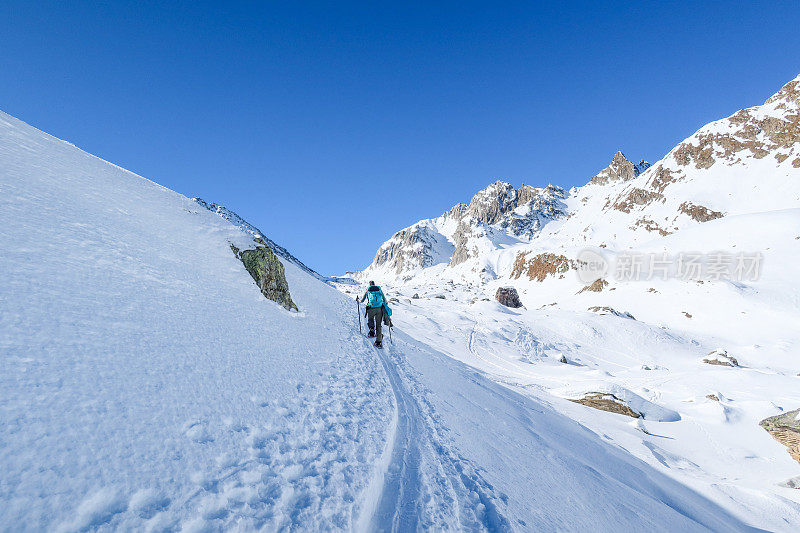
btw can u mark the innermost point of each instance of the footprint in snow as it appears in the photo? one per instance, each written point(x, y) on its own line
point(197, 431)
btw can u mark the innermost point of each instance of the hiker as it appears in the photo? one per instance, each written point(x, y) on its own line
point(376, 312)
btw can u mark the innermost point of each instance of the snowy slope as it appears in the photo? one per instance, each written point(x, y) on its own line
point(148, 385)
point(730, 190)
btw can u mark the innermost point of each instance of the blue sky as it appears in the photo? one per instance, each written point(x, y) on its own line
point(332, 125)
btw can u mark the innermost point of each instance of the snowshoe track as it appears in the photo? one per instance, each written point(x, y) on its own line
point(427, 484)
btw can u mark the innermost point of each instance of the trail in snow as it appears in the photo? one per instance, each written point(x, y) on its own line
point(426, 483)
point(398, 508)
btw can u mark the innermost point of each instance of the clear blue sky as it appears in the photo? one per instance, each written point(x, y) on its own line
point(330, 126)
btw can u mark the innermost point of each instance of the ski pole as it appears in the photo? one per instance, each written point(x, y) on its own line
point(358, 305)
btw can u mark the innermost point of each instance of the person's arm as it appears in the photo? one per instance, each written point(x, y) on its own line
point(363, 298)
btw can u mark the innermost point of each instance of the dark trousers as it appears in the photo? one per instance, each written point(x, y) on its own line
point(375, 322)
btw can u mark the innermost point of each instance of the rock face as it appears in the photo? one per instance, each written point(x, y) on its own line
point(268, 273)
point(540, 266)
point(596, 286)
point(785, 429)
point(620, 169)
point(607, 402)
point(508, 296)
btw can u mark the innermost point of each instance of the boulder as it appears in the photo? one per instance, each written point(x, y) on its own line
point(508, 296)
point(267, 271)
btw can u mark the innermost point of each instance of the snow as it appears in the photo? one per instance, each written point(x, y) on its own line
point(148, 385)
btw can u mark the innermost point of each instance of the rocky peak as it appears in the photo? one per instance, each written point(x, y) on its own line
point(621, 168)
point(789, 93)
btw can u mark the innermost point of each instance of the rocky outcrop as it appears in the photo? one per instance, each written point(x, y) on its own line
point(747, 133)
point(699, 212)
point(411, 248)
point(785, 429)
point(605, 401)
point(637, 197)
point(606, 310)
point(268, 273)
point(620, 169)
point(540, 266)
point(720, 358)
point(257, 235)
point(508, 296)
point(596, 286)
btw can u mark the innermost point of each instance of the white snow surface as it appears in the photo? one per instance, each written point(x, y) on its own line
point(146, 384)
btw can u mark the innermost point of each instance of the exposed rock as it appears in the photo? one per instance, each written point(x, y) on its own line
point(268, 273)
point(607, 402)
point(637, 197)
point(508, 296)
point(416, 296)
point(720, 358)
point(596, 286)
point(605, 310)
point(620, 169)
point(440, 296)
point(541, 266)
point(754, 132)
point(563, 359)
point(713, 397)
point(687, 315)
point(650, 225)
point(699, 212)
point(785, 428)
point(461, 239)
point(409, 249)
point(257, 235)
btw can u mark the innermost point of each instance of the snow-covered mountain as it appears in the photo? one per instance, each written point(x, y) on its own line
point(746, 163)
point(668, 293)
point(146, 383)
point(498, 216)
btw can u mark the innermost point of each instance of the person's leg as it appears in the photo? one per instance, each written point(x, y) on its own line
point(378, 325)
point(371, 321)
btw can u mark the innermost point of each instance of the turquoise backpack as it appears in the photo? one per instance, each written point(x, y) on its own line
point(375, 297)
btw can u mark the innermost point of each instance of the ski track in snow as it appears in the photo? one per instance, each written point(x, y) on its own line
point(419, 456)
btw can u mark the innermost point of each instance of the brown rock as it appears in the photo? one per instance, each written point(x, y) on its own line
point(541, 266)
point(607, 402)
point(785, 429)
point(597, 286)
point(699, 212)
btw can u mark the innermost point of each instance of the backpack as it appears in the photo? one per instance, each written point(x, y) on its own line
point(375, 296)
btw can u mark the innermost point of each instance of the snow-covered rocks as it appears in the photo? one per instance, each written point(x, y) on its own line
point(606, 402)
point(720, 357)
point(616, 399)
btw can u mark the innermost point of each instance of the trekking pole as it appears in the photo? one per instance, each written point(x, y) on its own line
point(390, 336)
point(358, 305)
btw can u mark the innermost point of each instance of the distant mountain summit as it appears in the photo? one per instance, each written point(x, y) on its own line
point(497, 215)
